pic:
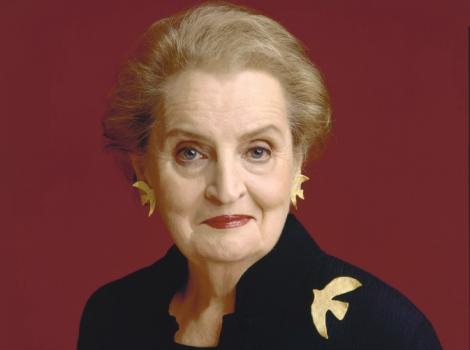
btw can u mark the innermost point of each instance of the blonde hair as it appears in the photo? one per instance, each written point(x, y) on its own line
point(216, 36)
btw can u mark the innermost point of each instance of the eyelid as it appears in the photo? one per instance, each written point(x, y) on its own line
point(264, 159)
point(261, 143)
point(180, 148)
point(189, 144)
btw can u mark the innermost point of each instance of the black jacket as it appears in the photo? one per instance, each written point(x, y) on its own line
point(273, 306)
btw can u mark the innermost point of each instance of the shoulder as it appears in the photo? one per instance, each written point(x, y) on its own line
point(117, 296)
point(126, 287)
point(376, 313)
point(124, 306)
point(142, 285)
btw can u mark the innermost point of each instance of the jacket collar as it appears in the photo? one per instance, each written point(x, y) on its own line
point(276, 284)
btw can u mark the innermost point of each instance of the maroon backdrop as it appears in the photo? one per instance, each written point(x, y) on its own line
point(390, 194)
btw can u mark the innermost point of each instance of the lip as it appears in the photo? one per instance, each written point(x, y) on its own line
point(227, 221)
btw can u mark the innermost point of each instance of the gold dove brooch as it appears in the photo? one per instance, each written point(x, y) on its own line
point(323, 301)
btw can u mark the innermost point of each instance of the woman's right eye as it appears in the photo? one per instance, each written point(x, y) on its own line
point(188, 154)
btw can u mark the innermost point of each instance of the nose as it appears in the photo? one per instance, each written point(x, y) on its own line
point(226, 184)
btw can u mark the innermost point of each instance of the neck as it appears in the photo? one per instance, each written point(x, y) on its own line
point(209, 294)
point(211, 285)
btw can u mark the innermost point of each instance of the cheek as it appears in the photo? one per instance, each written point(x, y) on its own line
point(178, 195)
point(272, 190)
point(178, 200)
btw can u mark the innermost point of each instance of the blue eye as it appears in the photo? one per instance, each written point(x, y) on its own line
point(188, 154)
point(259, 153)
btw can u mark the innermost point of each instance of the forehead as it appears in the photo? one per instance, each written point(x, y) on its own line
point(237, 100)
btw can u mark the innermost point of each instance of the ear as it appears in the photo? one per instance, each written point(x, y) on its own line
point(298, 162)
point(138, 164)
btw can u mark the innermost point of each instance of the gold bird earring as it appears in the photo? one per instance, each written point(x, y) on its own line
point(147, 195)
point(296, 190)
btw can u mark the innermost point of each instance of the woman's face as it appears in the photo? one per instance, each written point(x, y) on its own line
point(223, 149)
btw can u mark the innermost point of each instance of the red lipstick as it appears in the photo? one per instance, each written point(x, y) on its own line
point(227, 221)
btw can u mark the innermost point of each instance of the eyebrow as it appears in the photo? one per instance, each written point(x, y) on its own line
point(248, 135)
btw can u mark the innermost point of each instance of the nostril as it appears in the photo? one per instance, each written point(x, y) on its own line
point(225, 193)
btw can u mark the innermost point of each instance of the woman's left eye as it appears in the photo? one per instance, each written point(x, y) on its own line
point(259, 153)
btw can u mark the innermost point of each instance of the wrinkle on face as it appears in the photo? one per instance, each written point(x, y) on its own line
point(218, 115)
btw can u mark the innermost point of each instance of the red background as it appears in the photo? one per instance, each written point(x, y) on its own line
point(390, 194)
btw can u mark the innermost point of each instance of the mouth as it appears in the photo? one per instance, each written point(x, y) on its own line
point(227, 221)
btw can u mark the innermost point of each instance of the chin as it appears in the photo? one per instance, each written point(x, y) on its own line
point(233, 255)
point(231, 247)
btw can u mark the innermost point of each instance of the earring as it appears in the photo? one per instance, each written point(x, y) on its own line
point(297, 190)
point(148, 196)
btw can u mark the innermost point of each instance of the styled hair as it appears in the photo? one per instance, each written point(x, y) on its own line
point(217, 37)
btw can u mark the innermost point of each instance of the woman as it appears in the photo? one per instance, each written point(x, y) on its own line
point(217, 111)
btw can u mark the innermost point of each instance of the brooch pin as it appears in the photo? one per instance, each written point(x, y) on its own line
point(323, 301)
